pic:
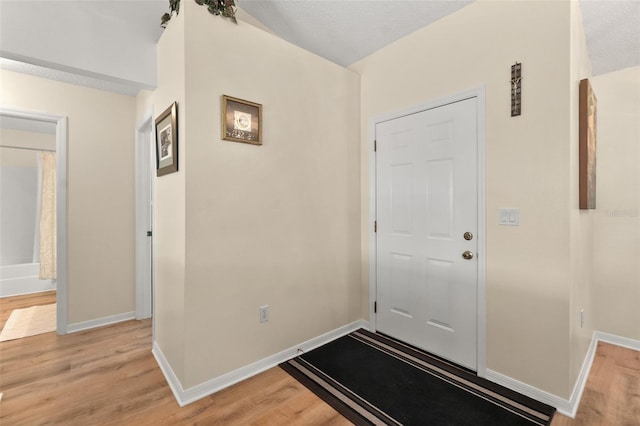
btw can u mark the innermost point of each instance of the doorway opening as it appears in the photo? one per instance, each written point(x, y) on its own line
point(35, 155)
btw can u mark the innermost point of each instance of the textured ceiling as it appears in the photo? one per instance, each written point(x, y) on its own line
point(110, 40)
point(69, 77)
point(613, 33)
point(347, 30)
point(342, 31)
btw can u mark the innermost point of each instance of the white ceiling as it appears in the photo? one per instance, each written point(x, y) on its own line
point(85, 42)
point(346, 31)
point(77, 77)
point(612, 28)
point(110, 44)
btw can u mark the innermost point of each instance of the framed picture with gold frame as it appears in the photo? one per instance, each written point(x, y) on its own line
point(241, 120)
point(167, 141)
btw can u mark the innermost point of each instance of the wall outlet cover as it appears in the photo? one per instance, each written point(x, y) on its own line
point(264, 313)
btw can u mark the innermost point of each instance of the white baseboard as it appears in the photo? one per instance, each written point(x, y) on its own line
point(169, 375)
point(581, 381)
point(617, 340)
point(100, 322)
point(565, 407)
point(561, 404)
point(184, 397)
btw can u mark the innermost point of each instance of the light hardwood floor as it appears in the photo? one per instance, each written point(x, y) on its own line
point(108, 376)
point(612, 393)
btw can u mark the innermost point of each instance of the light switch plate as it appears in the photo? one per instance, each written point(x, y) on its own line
point(509, 217)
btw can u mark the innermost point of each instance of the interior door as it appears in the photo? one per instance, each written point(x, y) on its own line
point(426, 193)
point(145, 174)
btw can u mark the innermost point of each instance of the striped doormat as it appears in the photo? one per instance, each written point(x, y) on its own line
point(375, 380)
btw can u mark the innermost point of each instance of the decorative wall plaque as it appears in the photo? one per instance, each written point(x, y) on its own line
point(516, 89)
point(587, 145)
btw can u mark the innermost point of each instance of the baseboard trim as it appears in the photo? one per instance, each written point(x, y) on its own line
point(581, 381)
point(100, 322)
point(625, 342)
point(566, 407)
point(561, 404)
point(167, 371)
point(184, 397)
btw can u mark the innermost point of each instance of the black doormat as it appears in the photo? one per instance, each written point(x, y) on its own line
point(372, 379)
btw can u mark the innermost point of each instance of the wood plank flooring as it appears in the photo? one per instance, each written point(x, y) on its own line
point(612, 393)
point(108, 376)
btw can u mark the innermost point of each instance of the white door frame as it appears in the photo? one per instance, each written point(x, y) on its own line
point(143, 187)
point(479, 94)
point(61, 206)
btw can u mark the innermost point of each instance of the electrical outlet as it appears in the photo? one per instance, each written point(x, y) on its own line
point(264, 313)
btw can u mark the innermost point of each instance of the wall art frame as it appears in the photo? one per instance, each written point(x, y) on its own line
point(167, 141)
point(241, 120)
point(587, 145)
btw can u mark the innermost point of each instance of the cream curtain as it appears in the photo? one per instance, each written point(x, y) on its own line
point(48, 217)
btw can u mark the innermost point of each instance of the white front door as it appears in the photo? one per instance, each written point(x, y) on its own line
point(426, 213)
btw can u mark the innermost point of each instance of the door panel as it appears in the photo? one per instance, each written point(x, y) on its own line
point(426, 193)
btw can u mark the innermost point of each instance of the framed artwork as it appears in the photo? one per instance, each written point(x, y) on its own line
point(587, 145)
point(167, 141)
point(241, 121)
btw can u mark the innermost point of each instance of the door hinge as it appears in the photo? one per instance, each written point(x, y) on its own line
point(149, 233)
point(375, 307)
point(375, 146)
point(375, 226)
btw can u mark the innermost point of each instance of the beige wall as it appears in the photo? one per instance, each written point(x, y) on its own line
point(100, 189)
point(581, 225)
point(276, 224)
point(616, 265)
point(528, 157)
point(285, 224)
point(169, 200)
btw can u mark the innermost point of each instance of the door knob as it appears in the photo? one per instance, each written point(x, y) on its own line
point(467, 255)
point(468, 236)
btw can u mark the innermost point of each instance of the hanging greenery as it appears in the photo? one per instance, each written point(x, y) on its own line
point(174, 6)
point(224, 8)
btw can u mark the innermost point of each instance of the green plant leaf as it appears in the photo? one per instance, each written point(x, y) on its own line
point(224, 8)
point(164, 20)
